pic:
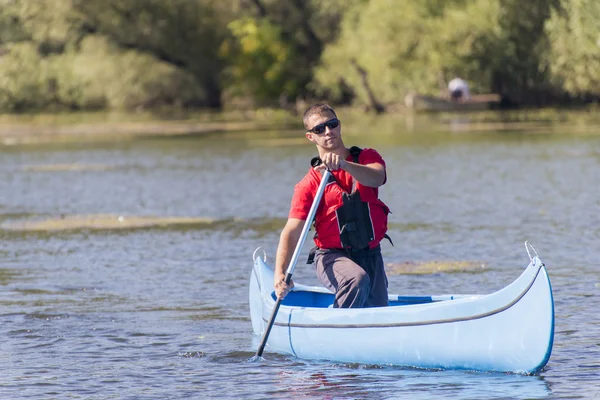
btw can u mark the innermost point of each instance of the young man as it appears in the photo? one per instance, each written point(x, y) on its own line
point(350, 220)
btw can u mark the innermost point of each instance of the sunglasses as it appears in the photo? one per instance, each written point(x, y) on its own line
point(320, 129)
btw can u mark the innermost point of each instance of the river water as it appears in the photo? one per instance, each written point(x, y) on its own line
point(125, 264)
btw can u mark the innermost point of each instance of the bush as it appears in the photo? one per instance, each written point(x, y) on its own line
point(96, 76)
point(101, 74)
point(574, 59)
point(24, 79)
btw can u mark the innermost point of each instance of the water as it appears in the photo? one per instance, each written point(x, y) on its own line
point(106, 310)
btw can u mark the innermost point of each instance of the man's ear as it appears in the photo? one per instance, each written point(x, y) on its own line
point(309, 136)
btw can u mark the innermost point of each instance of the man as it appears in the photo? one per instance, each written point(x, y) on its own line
point(350, 220)
point(459, 90)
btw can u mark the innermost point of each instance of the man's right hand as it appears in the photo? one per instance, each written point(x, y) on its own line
point(282, 288)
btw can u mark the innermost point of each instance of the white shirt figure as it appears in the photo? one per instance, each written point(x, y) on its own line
point(459, 89)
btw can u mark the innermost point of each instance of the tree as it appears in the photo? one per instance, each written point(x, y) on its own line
point(574, 57)
point(275, 45)
point(184, 33)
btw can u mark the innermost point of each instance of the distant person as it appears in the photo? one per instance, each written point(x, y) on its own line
point(459, 90)
point(350, 221)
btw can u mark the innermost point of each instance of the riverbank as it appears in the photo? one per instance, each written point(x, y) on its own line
point(18, 129)
point(23, 129)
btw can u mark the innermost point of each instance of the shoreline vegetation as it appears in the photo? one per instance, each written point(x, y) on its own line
point(122, 125)
point(48, 128)
point(92, 55)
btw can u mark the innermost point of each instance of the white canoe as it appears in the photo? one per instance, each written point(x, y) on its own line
point(511, 330)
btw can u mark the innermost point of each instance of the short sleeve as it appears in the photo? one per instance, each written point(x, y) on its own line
point(304, 193)
point(370, 156)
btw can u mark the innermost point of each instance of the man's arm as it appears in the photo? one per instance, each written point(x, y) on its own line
point(372, 175)
point(288, 239)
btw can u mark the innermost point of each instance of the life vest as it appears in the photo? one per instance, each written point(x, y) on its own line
point(359, 216)
point(354, 216)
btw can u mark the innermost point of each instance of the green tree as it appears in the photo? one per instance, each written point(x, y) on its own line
point(497, 45)
point(574, 56)
point(184, 33)
point(261, 63)
point(518, 70)
point(394, 49)
point(24, 79)
point(118, 54)
point(275, 45)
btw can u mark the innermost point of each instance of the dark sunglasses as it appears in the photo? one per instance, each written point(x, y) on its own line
point(320, 129)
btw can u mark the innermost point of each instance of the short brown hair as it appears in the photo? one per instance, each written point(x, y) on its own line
point(316, 109)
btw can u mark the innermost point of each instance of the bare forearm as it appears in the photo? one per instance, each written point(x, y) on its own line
point(287, 241)
point(372, 175)
point(283, 257)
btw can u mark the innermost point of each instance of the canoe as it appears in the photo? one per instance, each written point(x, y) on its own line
point(430, 103)
point(510, 330)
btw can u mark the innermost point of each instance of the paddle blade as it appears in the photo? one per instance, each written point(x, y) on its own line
point(255, 358)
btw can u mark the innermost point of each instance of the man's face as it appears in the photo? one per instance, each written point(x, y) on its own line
point(331, 138)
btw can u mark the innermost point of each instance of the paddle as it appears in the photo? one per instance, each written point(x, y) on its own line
point(290, 270)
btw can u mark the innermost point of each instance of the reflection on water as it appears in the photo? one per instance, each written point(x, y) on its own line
point(7, 275)
point(282, 377)
point(66, 167)
point(404, 383)
point(125, 263)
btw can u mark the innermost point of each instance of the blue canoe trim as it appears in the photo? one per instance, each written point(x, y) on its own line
point(290, 334)
point(546, 358)
point(417, 323)
point(415, 299)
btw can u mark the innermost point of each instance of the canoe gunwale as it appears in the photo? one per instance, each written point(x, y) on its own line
point(268, 301)
point(416, 323)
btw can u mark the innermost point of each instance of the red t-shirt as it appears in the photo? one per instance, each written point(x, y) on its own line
point(326, 224)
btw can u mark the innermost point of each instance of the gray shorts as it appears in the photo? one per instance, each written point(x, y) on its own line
point(357, 278)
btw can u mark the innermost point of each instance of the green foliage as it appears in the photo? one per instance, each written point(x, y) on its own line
point(274, 46)
point(402, 49)
point(261, 63)
point(574, 59)
point(102, 75)
point(24, 79)
point(118, 54)
point(519, 70)
point(88, 54)
point(184, 33)
point(497, 45)
point(11, 29)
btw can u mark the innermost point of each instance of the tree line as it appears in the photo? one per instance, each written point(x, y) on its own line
point(127, 54)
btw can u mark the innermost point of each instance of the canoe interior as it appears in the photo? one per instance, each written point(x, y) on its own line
point(306, 298)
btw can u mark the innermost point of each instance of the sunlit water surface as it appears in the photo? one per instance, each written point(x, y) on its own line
point(107, 310)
